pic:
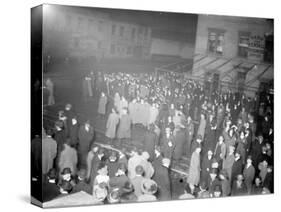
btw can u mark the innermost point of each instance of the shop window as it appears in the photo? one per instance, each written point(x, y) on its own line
point(216, 41)
point(243, 44)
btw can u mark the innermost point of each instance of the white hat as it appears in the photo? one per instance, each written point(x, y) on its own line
point(166, 162)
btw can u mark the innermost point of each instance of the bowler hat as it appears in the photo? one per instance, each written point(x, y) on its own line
point(66, 171)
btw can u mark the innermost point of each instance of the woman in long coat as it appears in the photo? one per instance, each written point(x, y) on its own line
point(194, 168)
point(102, 104)
point(124, 129)
point(202, 126)
point(85, 135)
point(111, 124)
point(180, 140)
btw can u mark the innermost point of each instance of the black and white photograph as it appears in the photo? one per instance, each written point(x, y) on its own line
point(132, 106)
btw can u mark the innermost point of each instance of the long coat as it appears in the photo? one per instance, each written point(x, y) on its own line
point(68, 159)
point(150, 140)
point(180, 140)
point(102, 105)
point(162, 178)
point(167, 146)
point(194, 169)
point(201, 128)
point(85, 139)
point(228, 163)
point(236, 169)
point(249, 175)
point(49, 152)
point(205, 169)
point(189, 136)
point(111, 125)
point(124, 129)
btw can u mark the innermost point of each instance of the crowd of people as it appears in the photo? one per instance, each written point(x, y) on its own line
point(226, 136)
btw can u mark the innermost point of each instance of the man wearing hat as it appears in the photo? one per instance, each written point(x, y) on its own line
point(150, 141)
point(239, 187)
point(202, 191)
point(86, 136)
point(50, 188)
point(162, 176)
point(237, 167)
point(249, 174)
point(206, 167)
point(81, 184)
point(148, 188)
point(213, 181)
point(225, 183)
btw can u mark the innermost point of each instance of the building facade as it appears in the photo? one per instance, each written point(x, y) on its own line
point(236, 50)
point(81, 33)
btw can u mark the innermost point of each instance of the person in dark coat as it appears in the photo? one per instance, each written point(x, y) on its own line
point(86, 136)
point(150, 141)
point(50, 188)
point(36, 157)
point(167, 144)
point(180, 140)
point(213, 181)
point(238, 186)
point(189, 136)
point(81, 184)
point(98, 158)
point(73, 130)
point(60, 138)
point(237, 167)
point(268, 181)
point(206, 167)
point(257, 187)
point(256, 150)
point(249, 174)
point(120, 178)
point(112, 164)
point(162, 177)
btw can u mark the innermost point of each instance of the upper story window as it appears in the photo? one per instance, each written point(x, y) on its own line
point(243, 44)
point(121, 32)
point(216, 41)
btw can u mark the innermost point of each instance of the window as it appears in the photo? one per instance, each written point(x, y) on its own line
point(216, 41)
point(112, 49)
point(133, 33)
point(243, 44)
point(121, 32)
point(113, 29)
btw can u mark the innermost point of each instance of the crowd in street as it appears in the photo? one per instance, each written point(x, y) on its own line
point(226, 136)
